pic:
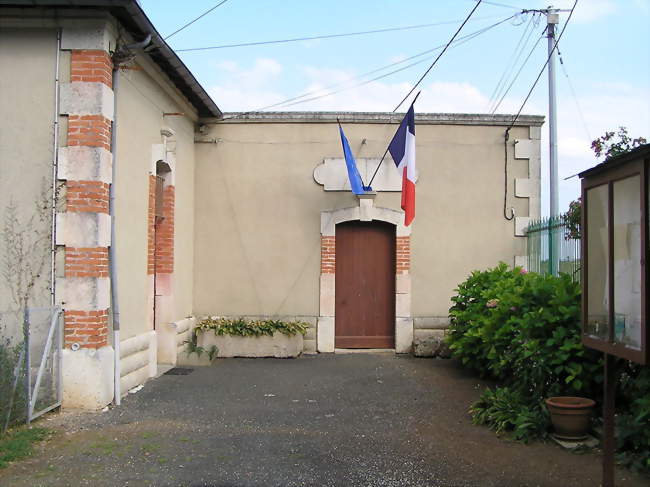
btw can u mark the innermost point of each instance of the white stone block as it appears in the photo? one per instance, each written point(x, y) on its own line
point(327, 294)
point(325, 340)
point(403, 305)
point(431, 322)
point(403, 335)
point(88, 34)
point(79, 163)
point(403, 283)
point(83, 229)
point(526, 188)
point(535, 132)
point(83, 293)
point(84, 98)
point(523, 148)
point(87, 378)
point(333, 176)
point(521, 224)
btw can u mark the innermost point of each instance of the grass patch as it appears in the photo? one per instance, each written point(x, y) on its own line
point(19, 444)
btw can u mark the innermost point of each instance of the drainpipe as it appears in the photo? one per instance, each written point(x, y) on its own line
point(112, 262)
point(115, 306)
point(55, 165)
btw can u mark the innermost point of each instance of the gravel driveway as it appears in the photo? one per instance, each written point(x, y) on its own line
point(325, 420)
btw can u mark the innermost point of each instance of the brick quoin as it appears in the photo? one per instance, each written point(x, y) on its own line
point(403, 255)
point(91, 66)
point(151, 228)
point(164, 234)
point(86, 262)
point(89, 131)
point(327, 255)
point(87, 196)
point(87, 328)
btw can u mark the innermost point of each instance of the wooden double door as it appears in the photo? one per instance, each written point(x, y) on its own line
point(365, 285)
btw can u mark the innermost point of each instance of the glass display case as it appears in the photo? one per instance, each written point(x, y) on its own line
point(615, 224)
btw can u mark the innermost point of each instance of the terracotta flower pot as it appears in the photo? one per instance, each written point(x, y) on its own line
point(570, 416)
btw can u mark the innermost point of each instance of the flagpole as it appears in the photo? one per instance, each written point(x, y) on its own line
point(382, 157)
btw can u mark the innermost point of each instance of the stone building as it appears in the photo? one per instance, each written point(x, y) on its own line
point(230, 214)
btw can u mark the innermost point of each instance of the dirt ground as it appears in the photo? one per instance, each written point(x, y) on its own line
point(326, 420)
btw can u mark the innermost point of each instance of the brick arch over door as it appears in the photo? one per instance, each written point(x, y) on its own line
point(403, 318)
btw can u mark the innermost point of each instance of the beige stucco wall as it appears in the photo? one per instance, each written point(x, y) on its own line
point(257, 227)
point(27, 64)
point(143, 96)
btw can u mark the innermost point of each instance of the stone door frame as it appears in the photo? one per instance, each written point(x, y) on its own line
point(366, 211)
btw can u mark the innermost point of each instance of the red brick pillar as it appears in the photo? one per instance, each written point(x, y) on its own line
point(83, 222)
point(87, 199)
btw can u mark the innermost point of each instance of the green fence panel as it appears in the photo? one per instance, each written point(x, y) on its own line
point(551, 250)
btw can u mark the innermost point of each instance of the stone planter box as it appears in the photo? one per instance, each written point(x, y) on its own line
point(278, 345)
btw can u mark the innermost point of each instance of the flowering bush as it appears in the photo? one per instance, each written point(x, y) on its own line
point(615, 143)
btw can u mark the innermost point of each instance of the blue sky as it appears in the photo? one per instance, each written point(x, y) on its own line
point(606, 49)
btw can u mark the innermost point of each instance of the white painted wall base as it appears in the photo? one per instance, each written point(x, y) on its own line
point(170, 339)
point(139, 362)
point(87, 378)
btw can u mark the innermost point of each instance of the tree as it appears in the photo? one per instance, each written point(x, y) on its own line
point(615, 143)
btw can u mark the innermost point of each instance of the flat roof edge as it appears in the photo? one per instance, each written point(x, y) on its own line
point(377, 117)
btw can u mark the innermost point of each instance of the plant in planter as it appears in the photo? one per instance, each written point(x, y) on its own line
point(240, 337)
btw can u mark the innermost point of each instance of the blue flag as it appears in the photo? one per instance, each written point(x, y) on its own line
point(353, 173)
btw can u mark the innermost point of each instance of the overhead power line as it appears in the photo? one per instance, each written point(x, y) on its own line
point(496, 4)
point(548, 59)
point(514, 79)
point(514, 58)
point(198, 18)
point(325, 36)
point(303, 97)
point(575, 97)
point(439, 56)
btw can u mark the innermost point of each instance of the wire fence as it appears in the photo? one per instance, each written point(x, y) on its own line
point(31, 345)
point(552, 249)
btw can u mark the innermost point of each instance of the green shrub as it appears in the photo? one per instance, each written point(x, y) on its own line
point(523, 330)
point(633, 417)
point(508, 411)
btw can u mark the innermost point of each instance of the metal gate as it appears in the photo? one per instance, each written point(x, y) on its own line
point(31, 381)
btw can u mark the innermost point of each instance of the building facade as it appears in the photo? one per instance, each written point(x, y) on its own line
point(235, 215)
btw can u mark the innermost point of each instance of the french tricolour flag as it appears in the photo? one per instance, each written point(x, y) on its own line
point(402, 150)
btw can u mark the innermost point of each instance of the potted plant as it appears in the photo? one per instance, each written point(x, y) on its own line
point(570, 416)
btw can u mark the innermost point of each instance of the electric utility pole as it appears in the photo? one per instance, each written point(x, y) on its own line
point(552, 19)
